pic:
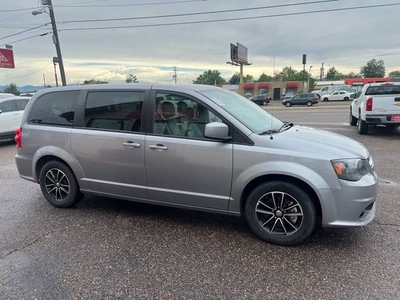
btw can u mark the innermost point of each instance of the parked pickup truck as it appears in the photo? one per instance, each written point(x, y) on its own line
point(376, 104)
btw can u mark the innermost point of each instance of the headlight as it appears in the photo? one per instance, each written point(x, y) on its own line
point(351, 169)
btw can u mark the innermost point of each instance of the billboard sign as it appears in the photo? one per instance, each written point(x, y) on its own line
point(6, 58)
point(242, 53)
point(234, 52)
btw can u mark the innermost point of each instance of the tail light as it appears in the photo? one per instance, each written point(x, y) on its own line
point(18, 137)
point(368, 104)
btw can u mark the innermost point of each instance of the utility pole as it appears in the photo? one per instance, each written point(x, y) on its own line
point(55, 39)
point(175, 77)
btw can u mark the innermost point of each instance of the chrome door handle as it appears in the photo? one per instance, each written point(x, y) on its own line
point(158, 147)
point(131, 145)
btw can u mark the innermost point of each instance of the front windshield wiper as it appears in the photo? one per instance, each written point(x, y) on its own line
point(286, 126)
point(269, 131)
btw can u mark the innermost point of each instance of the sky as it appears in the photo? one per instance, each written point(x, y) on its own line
point(333, 33)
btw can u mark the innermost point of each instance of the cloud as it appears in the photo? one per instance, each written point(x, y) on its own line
point(345, 39)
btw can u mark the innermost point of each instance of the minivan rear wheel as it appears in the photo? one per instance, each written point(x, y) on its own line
point(280, 213)
point(59, 185)
point(309, 103)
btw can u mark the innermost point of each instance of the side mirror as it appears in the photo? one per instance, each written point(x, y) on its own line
point(217, 131)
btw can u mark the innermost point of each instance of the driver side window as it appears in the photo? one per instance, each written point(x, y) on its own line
point(180, 116)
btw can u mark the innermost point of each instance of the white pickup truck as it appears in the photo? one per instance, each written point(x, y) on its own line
point(376, 104)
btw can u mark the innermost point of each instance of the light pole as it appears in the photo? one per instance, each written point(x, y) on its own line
point(308, 79)
point(55, 36)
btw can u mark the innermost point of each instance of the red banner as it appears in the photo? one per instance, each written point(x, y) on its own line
point(6, 58)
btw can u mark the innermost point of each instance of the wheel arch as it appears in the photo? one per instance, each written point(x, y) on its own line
point(285, 178)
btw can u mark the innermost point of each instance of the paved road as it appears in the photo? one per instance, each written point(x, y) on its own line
point(111, 249)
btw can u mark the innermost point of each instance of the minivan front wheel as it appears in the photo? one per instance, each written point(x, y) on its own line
point(59, 185)
point(280, 213)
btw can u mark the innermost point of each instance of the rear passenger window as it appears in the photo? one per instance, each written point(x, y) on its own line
point(22, 103)
point(56, 108)
point(114, 110)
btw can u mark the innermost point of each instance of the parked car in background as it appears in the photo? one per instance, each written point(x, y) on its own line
point(260, 99)
point(308, 99)
point(11, 111)
point(6, 95)
point(329, 89)
point(339, 95)
point(376, 104)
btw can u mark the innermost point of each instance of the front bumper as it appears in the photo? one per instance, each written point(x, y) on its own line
point(353, 205)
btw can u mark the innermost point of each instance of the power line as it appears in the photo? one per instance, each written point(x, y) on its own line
point(32, 28)
point(131, 4)
point(27, 38)
point(110, 5)
point(235, 19)
point(33, 72)
point(17, 9)
point(201, 13)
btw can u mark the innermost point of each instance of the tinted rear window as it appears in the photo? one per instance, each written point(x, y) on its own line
point(54, 109)
point(383, 90)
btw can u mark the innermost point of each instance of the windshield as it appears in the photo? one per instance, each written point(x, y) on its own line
point(247, 112)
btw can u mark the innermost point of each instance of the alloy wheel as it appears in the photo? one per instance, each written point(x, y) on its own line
point(279, 213)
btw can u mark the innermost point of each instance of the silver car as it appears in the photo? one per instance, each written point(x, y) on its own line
point(195, 147)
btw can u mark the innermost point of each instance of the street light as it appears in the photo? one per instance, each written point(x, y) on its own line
point(55, 35)
point(308, 79)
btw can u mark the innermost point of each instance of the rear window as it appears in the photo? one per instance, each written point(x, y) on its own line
point(383, 90)
point(54, 109)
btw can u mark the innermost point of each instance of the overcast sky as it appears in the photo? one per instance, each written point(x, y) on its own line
point(346, 39)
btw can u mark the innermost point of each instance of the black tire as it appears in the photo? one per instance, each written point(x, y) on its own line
point(326, 99)
point(352, 119)
point(59, 185)
point(273, 224)
point(309, 103)
point(346, 99)
point(264, 103)
point(288, 104)
point(362, 126)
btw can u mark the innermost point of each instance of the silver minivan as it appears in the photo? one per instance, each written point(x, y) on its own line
point(195, 147)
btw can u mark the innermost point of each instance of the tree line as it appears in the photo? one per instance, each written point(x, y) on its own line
point(373, 68)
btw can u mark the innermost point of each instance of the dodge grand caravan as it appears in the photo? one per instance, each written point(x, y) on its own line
point(195, 147)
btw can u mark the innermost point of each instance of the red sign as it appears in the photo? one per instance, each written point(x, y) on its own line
point(6, 58)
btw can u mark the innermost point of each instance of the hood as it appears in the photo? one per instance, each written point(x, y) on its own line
point(311, 140)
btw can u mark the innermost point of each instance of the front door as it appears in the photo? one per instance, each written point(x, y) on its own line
point(277, 94)
point(110, 147)
point(182, 166)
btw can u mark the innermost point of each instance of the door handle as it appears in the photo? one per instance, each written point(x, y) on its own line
point(131, 145)
point(158, 147)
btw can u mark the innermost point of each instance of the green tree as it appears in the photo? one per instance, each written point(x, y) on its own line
point(94, 81)
point(373, 68)
point(394, 74)
point(131, 79)
point(288, 74)
point(235, 79)
point(248, 78)
point(210, 77)
point(352, 75)
point(264, 78)
point(11, 88)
